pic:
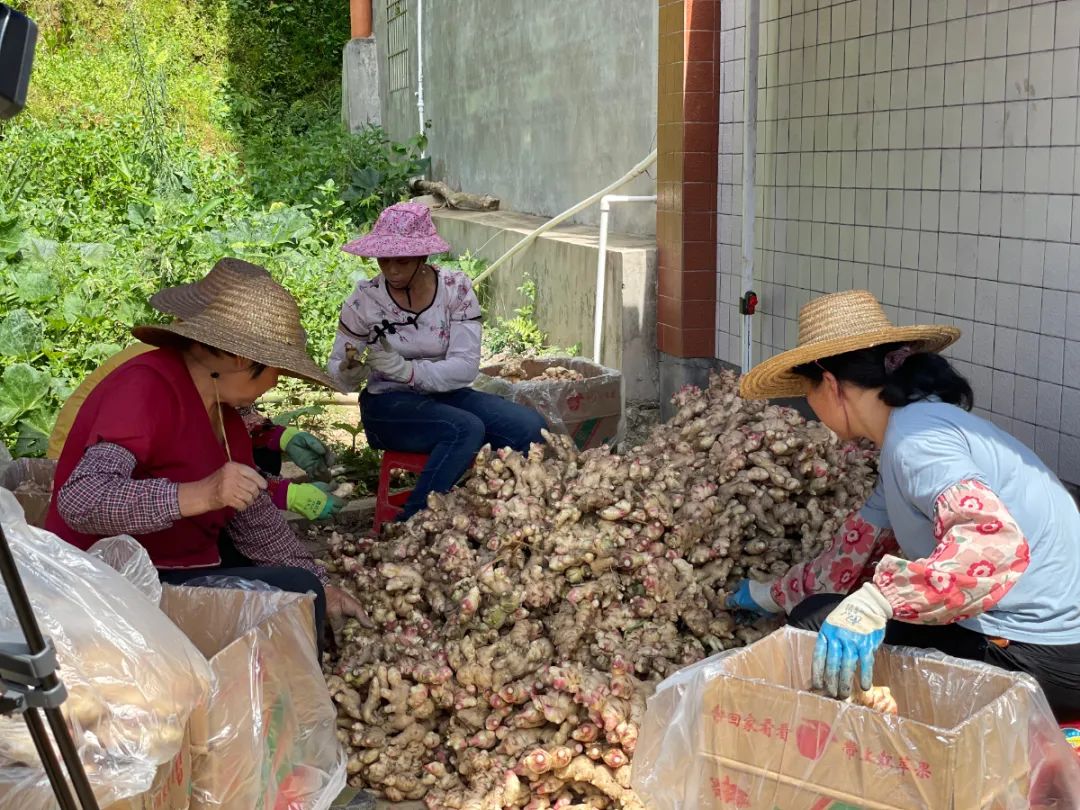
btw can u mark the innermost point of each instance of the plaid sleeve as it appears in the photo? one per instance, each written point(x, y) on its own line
point(263, 432)
point(261, 534)
point(100, 496)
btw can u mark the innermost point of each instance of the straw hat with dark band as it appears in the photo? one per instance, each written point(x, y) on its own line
point(245, 313)
point(831, 325)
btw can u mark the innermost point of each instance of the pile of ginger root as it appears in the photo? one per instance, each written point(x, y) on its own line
point(523, 618)
point(514, 371)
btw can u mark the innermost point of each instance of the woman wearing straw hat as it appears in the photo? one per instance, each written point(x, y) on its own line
point(969, 544)
point(159, 452)
point(270, 442)
point(421, 326)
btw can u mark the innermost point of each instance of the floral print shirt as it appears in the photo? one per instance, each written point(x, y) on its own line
point(442, 341)
point(846, 562)
point(966, 525)
point(981, 553)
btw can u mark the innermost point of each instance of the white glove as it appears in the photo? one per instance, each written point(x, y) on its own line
point(391, 365)
point(352, 370)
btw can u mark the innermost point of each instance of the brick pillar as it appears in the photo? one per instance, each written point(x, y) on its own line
point(687, 133)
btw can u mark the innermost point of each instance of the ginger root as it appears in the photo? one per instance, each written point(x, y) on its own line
point(525, 616)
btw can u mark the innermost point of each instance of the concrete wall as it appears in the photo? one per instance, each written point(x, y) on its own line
point(360, 105)
point(926, 150)
point(538, 103)
point(562, 262)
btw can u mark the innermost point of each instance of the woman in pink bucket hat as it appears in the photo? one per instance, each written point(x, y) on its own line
point(421, 326)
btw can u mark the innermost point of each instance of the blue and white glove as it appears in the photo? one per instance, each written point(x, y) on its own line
point(755, 597)
point(849, 638)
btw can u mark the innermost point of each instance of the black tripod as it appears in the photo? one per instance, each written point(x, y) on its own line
point(29, 685)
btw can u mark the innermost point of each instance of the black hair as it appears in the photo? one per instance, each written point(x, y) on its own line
point(256, 369)
point(920, 376)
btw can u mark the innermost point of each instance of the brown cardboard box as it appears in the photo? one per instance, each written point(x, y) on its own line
point(31, 481)
point(590, 411)
point(969, 737)
point(268, 736)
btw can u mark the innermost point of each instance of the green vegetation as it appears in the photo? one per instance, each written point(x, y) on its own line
point(158, 137)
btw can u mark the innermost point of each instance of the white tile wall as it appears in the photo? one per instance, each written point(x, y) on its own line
point(927, 150)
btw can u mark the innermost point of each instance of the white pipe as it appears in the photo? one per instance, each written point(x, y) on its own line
point(750, 90)
point(569, 212)
point(601, 262)
point(420, 69)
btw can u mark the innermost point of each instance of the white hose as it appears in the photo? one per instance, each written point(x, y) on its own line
point(569, 212)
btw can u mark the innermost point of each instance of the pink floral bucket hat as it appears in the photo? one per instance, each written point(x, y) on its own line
point(403, 229)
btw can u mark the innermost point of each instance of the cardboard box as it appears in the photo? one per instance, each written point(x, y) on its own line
point(171, 789)
point(31, 481)
point(775, 745)
point(742, 731)
point(268, 736)
point(589, 410)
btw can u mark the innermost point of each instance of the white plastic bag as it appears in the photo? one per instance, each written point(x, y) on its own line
point(132, 677)
point(125, 555)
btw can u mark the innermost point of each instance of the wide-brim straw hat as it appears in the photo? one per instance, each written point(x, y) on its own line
point(252, 316)
point(187, 300)
point(831, 325)
point(402, 230)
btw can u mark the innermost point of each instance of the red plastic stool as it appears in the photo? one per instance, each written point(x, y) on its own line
point(388, 506)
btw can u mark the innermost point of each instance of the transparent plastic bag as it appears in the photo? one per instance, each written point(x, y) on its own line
point(31, 480)
point(270, 732)
point(741, 730)
point(132, 678)
point(127, 556)
point(233, 583)
point(588, 410)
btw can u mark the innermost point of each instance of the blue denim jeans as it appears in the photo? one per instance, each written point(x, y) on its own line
point(450, 427)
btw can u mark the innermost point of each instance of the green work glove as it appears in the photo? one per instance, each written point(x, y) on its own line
point(307, 452)
point(313, 501)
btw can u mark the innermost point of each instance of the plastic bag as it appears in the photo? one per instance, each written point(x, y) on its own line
point(271, 728)
point(740, 730)
point(234, 583)
point(125, 555)
point(132, 677)
point(31, 480)
point(588, 410)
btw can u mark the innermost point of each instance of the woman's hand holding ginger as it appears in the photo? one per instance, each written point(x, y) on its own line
point(232, 486)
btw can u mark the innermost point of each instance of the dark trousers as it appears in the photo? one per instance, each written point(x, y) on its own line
point(235, 564)
point(450, 427)
point(1056, 668)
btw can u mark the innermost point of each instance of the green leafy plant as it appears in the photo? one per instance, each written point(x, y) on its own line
point(24, 404)
point(362, 465)
point(161, 136)
point(297, 415)
point(380, 183)
point(353, 429)
point(519, 334)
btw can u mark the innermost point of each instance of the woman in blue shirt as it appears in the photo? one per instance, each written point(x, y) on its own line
point(969, 544)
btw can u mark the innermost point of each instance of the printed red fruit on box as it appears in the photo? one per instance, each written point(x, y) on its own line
point(811, 738)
